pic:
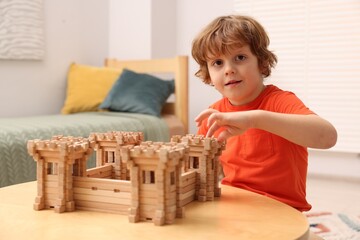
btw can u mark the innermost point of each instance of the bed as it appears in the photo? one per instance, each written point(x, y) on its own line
point(16, 165)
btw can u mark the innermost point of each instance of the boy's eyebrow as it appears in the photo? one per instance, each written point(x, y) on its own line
point(208, 59)
point(211, 56)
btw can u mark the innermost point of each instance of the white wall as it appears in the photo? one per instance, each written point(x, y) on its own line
point(142, 29)
point(75, 30)
point(334, 164)
point(130, 29)
point(164, 28)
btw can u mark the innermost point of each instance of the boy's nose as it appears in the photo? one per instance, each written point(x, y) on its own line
point(229, 69)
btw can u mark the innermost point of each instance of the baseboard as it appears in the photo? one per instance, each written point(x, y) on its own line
point(332, 177)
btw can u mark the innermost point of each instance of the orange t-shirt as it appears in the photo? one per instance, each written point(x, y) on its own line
point(263, 162)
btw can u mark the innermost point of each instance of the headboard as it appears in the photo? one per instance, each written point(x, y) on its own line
point(177, 66)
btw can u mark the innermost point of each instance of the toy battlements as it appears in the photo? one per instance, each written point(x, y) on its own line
point(148, 181)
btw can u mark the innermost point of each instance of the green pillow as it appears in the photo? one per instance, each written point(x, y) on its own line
point(138, 93)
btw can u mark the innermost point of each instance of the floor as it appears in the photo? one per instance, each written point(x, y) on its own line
point(333, 194)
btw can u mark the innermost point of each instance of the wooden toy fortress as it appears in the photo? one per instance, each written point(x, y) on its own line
point(148, 181)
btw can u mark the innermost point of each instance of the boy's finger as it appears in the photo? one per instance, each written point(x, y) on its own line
point(224, 135)
point(212, 129)
point(203, 115)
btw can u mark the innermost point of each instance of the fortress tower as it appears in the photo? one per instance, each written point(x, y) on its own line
point(58, 160)
point(155, 176)
point(107, 147)
point(204, 158)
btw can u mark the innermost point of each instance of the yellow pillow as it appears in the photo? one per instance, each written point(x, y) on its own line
point(87, 87)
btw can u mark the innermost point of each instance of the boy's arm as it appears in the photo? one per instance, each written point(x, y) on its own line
point(305, 130)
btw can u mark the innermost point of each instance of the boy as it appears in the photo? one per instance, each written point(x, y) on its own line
point(267, 129)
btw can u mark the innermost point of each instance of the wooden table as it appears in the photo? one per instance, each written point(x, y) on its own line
point(238, 214)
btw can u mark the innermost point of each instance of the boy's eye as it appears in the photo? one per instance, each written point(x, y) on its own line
point(217, 63)
point(240, 58)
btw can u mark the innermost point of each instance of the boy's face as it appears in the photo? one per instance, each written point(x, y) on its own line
point(237, 75)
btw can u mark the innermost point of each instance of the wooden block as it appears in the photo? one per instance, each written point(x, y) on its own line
point(170, 218)
point(59, 209)
point(133, 218)
point(210, 198)
point(38, 206)
point(103, 207)
point(202, 198)
point(180, 212)
point(159, 218)
point(187, 200)
point(217, 192)
point(70, 206)
point(170, 201)
point(191, 191)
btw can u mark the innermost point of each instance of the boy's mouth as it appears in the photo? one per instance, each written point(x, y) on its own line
point(232, 82)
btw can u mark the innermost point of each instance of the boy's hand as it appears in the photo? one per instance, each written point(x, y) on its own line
point(204, 115)
point(228, 124)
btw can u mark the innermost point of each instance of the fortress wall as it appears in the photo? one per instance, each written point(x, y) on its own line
point(102, 195)
point(187, 187)
point(100, 172)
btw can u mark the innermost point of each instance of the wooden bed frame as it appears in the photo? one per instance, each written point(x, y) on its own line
point(177, 66)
